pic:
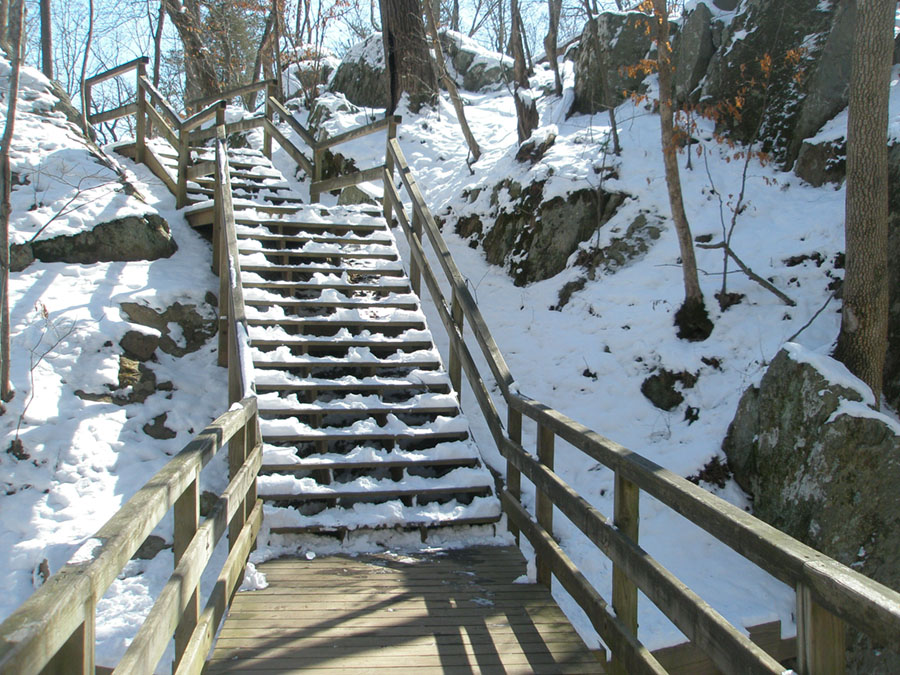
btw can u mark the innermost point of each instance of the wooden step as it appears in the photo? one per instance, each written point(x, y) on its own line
point(347, 434)
point(369, 411)
point(319, 386)
point(290, 303)
point(310, 464)
point(323, 255)
point(393, 285)
point(299, 240)
point(335, 324)
point(316, 363)
point(395, 271)
point(409, 524)
point(315, 344)
point(307, 226)
point(423, 495)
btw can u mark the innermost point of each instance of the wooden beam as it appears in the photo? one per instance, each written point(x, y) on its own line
point(289, 147)
point(288, 117)
point(114, 114)
point(158, 121)
point(366, 175)
point(158, 99)
point(358, 132)
point(821, 637)
point(117, 70)
point(230, 94)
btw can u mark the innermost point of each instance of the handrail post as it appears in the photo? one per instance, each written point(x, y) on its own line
point(77, 654)
point(389, 165)
point(220, 260)
point(140, 131)
point(318, 161)
point(415, 274)
point(187, 520)
point(543, 503)
point(513, 475)
point(270, 115)
point(184, 148)
point(821, 637)
point(626, 517)
point(454, 366)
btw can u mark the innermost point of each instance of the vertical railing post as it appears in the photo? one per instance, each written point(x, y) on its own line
point(220, 248)
point(513, 475)
point(389, 165)
point(415, 274)
point(543, 503)
point(626, 517)
point(455, 365)
point(77, 654)
point(140, 130)
point(271, 91)
point(184, 149)
point(187, 520)
point(821, 637)
point(318, 165)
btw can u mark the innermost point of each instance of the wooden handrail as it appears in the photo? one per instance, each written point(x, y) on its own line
point(201, 116)
point(358, 132)
point(157, 98)
point(117, 70)
point(231, 93)
point(35, 635)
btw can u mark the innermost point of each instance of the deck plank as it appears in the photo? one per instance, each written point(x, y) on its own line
point(435, 612)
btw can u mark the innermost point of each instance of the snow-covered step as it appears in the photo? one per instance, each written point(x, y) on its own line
point(324, 251)
point(245, 232)
point(315, 304)
point(452, 454)
point(273, 406)
point(294, 226)
point(266, 267)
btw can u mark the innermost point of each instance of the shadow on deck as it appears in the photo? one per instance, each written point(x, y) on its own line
point(446, 611)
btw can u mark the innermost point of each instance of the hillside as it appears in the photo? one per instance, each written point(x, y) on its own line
point(588, 352)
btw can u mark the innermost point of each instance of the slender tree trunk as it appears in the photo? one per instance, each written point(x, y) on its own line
point(201, 79)
point(691, 319)
point(862, 342)
point(4, 26)
point(454, 16)
point(250, 99)
point(555, 8)
point(87, 51)
point(157, 42)
point(276, 45)
point(526, 109)
point(406, 55)
point(46, 40)
point(15, 36)
point(451, 85)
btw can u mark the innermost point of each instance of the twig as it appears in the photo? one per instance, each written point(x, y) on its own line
point(750, 273)
point(814, 316)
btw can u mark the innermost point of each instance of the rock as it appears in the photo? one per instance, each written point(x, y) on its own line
point(822, 474)
point(624, 42)
point(144, 237)
point(477, 69)
point(692, 51)
point(353, 195)
point(139, 345)
point(20, 256)
point(150, 548)
point(622, 250)
point(158, 428)
point(659, 388)
point(534, 149)
point(820, 163)
point(361, 75)
point(208, 501)
point(183, 328)
point(64, 105)
point(805, 45)
point(138, 378)
point(892, 359)
point(535, 237)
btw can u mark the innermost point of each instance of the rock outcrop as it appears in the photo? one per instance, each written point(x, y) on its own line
point(361, 74)
point(824, 467)
point(145, 237)
point(476, 68)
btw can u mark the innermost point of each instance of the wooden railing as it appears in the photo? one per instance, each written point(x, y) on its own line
point(53, 632)
point(828, 593)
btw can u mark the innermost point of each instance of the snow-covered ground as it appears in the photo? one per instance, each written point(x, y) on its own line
point(588, 360)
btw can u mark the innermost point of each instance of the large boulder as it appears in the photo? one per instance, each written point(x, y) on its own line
point(892, 361)
point(788, 64)
point(823, 466)
point(476, 68)
point(535, 237)
point(615, 71)
point(361, 75)
point(145, 237)
point(692, 50)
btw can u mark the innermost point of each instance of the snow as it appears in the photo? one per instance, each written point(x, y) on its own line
point(587, 360)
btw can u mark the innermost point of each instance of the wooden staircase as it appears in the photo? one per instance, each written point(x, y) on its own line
point(360, 424)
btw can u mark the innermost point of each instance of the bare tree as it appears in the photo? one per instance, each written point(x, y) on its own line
point(691, 319)
point(200, 71)
point(554, 8)
point(46, 40)
point(16, 29)
point(526, 109)
point(862, 342)
point(406, 54)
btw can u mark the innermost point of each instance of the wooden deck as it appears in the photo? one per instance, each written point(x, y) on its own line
point(441, 612)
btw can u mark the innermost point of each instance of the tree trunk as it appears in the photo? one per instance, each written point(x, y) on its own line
point(46, 40)
point(409, 68)
point(555, 8)
point(454, 16)
point(16, 29)
point(201, 79)
point(862, 342)
point(4, 26)
point(692, 320)
point(451, 85)
point(85, 104)
point(157, 43)
point(526, 109)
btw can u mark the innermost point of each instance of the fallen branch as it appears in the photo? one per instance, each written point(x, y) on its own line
point(750, 273)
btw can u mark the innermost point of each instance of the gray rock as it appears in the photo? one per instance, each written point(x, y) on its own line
point(361, 75)
point(624, 41)
point(353, 195)
point(660, 388)
point(197, 326)
point(144, 237)
point(139, 345)
point(693, 49)
point(20, 256)
point(892, 360)
point(150, 548)
point(808, 42)
point(158, 429)
point(624, 249)
point(820, 163)
point(822, 476)
point(476, 68)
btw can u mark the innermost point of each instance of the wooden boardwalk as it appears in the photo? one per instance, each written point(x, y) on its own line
point(440, 612)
